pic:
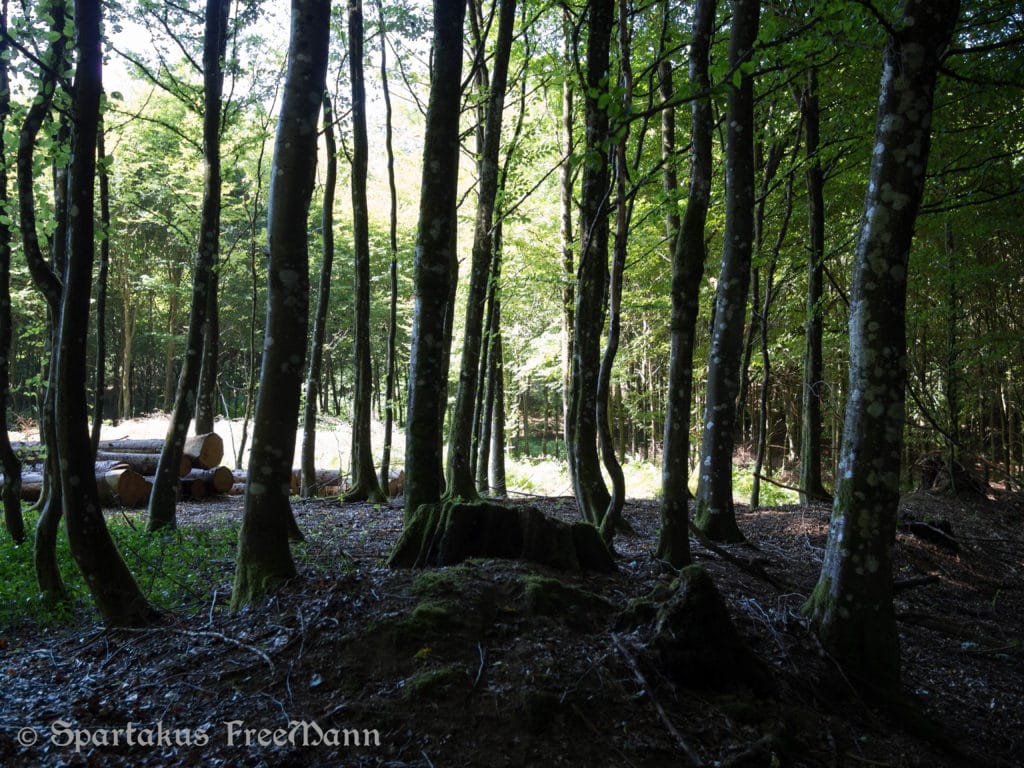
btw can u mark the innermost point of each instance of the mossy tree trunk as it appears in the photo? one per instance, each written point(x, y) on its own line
point(364, 479)
point(592, 495)
point(436, 269)
point(307, 460)
point(163, 497)
point(852, 604)
point(714, 509)
point(264, 555)
point(117, 596)
point(460, 480)
point(811, 485)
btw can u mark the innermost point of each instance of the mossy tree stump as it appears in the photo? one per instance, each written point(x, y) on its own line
point(453, 531)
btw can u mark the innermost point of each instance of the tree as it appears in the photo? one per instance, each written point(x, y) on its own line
point(364, 480)
point(460, 480)
point(11, 465)
point(316, 342)
point(852, 605)
point(163, 496)
point(688, 257)
point(117, 596)
point(264, 556)
point(714, 509)
point(435, 270)
point(592, 495)
point(811, 486)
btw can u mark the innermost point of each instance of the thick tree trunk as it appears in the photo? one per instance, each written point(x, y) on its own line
point(852, 604)
point(264, 556)
point(460, 481)
point(162, 500)
point(117, 596)
point(714, 509)
point(592, 495)
point(688, 257)
point(307, 458)
point(436, 270)
point(365, 486)
point(811, 485)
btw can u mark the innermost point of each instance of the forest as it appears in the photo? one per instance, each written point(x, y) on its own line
point(498, 382)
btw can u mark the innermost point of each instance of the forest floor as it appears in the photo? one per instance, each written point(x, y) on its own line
point(500, 663)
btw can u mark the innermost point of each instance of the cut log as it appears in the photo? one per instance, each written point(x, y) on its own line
point(396, 482)
point(206, 450)
point(125, 445)
point(194, 487)
point(324, 479)
point(122, 487)
point(143, 463)
point(218, 479)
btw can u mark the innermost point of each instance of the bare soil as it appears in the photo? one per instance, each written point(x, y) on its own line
point(500, 663)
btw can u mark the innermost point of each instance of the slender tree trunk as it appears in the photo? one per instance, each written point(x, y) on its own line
point(206, 391)
point(264, 555)
point(811, 485)
point(566, 188)
point(99, 378)
point(117, 596)
point(389, 376)
point(460, 481)
point(714, 510)
point(13, 520)
point(852, 605)
point(496, 485)
point(592, 495)
point(688, 257)
point(435, 269)
point(162, 500)
point(364, 479)
point(323, 295)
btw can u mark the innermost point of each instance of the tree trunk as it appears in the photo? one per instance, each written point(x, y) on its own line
point(264, 556)
point(117, 596)
point(162, 500)
point(365, 486)
point(435, 270)
point(316, 346)
point(592, 495)
point(852, 604)
point(13, 520)
point(389, 376)
point(99, 377)
point(460, 481)
point(811, 485)
point(688, 257)
point(714, 509)
point(206, 391)
point(566, 189)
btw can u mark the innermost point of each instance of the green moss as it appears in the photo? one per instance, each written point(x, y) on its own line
point(550, 597)
point(434, 683)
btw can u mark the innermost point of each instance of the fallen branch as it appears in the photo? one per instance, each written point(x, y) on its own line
point(692, 757)
point(749, 566)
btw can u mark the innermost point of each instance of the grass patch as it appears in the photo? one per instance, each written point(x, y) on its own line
point(177, 570)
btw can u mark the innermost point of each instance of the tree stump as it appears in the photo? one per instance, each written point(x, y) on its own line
point(451, 532)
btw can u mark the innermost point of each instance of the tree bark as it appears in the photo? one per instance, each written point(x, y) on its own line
point(592, 495)
point(435, 270)
point(365, 486)
point(264, 556)
point(566, 188)
point(811, 485)
point(460, 481)
point(852, 605)
point(715, 515)
point(688, 257)
point(316, 345)
point(99, 376)
point(117, 596)
point(162, 500)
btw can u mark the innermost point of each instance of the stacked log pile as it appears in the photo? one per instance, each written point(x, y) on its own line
point(125, 469)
